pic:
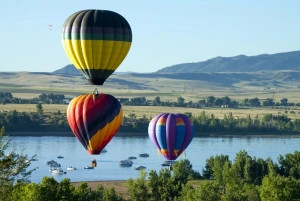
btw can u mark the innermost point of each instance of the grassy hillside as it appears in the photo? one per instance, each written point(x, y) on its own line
point(168, 87)
point(193, 87)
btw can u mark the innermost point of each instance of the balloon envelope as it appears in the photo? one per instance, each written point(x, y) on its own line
point(171, 134)
point(96, 42)
point(94, 120)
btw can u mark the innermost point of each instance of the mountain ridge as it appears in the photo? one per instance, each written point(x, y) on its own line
point(239, 63)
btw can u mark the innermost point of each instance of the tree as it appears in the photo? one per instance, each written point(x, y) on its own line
point(138, 189)
point(11, 166)
point(211, 101)
point(284, 102)
point(279, 188)
point(268, 102)
point(180, 102)
point(39, 108)
point(254, 102)
point(157, 101)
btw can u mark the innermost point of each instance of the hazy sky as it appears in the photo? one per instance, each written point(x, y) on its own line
point(165, 33)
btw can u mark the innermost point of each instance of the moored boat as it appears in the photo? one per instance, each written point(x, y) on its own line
point(88, 167)
point(126, 163)
point(144, 155)
point(139, 167)
point(70, 168)
point(168, 163)
point(57, 171)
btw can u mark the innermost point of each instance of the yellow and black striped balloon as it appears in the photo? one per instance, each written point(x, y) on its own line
point(96, 42)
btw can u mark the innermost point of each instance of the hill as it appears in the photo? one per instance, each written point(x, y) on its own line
point(241, 63)
point(177, 80)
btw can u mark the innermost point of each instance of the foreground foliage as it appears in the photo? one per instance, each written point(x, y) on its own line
point(244, 178)
point(12, 166)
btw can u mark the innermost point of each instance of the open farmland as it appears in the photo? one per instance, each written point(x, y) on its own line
point(27, 85)
point(151, 111)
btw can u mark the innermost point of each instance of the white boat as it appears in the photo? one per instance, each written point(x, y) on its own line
point(70, 168)
point(126, 163)
point(144, 155)
point(88, 167)
point(168, 163)
point(57, 171)
point(139, 167)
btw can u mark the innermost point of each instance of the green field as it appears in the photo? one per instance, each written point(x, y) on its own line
point(29, 85)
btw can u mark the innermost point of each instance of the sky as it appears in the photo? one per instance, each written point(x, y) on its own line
point(165, 33)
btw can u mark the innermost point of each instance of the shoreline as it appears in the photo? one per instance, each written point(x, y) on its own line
point(127, 134)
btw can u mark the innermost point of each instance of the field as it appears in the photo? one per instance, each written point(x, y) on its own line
point(151, 111)
point(29, 85)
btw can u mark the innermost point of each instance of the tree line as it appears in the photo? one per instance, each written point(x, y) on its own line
point(210, 101)
point(244, 178)
point(204, 124)
point(7, 98)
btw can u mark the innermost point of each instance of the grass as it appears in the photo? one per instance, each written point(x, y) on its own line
point(29, 85)
point(151, 111)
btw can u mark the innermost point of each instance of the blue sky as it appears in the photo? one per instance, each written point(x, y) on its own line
point(165, 33)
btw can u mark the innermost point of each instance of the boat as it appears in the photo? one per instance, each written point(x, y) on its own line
point(60, 157)
point(139, 167)
point(126, 163)
point(88, 167)
point(54, 165)
point(168, 163)
point(131, 157)
point(57, 171)
point(70, 168)
point(144, 155)
point(51, 162)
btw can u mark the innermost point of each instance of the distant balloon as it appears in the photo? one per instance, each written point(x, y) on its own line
point(171, 134)
point(94, 120)
point(96, 42)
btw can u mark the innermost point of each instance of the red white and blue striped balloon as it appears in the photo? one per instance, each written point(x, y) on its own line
point(171, 134)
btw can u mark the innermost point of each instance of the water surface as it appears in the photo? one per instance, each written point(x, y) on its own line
point(120, 148)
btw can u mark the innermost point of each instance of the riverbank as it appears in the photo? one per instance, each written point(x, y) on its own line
point(133, 134)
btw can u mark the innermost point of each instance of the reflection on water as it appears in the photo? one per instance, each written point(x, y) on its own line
point(120, 148)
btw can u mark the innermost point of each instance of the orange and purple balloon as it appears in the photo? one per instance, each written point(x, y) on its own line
point(94, 120)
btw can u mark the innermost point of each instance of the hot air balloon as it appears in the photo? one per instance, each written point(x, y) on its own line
point(171, 134)
point(94, 119)
point(96, 42)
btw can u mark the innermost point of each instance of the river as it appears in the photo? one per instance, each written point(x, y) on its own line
point(49, 148)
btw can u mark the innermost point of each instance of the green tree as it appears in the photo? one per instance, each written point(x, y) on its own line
point(210, 101)
point(279, 188)
point(138, 189)
point(39, 108)
point(180, 102)
point(284, 102)
point(290, 165)
point(254, 102)
point(11, 166)
point(157, 101)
